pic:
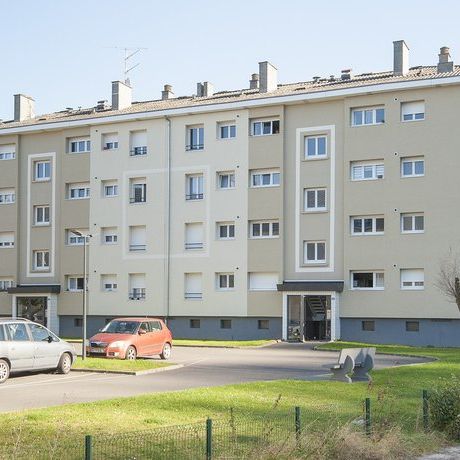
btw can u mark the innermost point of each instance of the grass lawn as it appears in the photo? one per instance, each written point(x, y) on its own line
point(105, 364)
point(222, 343)
point(395, 395)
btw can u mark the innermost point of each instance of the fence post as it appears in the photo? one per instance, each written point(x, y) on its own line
point(368, 416)
point(208, 439)
point(297, 424)
point(426, 416)
point(88, 447)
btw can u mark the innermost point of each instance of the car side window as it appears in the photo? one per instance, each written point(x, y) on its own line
point(156, 326)
point(2, 333)
point(17, 332)
point(39, 333)
point(145, 327)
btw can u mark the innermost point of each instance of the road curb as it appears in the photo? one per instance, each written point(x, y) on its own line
point(250, 347)
point(143, 372)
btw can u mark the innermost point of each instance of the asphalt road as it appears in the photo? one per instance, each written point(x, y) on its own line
point(203, 367)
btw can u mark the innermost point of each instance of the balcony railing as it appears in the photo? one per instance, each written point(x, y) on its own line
point(193, 295)
point(137, 199)
point(136, 151)
point(137, 247)
point(194, 147)
point(194, 245)
point(137, 294)
point(194, 196)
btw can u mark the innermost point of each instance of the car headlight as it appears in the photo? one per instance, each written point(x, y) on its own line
point(118, 344)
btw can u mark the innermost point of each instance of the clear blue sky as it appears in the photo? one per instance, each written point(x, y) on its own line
point(60, 52)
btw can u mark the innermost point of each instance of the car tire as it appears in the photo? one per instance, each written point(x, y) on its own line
point(166, 353)
point(131, 353)
point(65, 364)
point(4, 371)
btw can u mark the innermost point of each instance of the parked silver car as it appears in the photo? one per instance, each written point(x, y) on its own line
point(28, 346)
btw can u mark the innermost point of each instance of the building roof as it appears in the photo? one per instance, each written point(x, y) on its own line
point(308, 87)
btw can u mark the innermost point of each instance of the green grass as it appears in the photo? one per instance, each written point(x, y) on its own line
point(106, 364)
point(222, 343)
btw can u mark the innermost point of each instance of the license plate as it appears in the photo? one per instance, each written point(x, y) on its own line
point(97, 350)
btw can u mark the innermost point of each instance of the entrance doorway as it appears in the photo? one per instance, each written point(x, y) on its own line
point(317, 318)
point(32, 308)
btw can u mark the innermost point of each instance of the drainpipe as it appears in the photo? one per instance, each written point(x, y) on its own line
point(168, 219)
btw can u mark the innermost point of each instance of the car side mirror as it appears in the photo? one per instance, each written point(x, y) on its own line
point(50, 339)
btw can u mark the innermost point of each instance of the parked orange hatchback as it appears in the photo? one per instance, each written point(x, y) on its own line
point(128, 338)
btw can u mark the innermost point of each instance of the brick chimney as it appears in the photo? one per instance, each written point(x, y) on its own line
point(167, 92)
point(254, 81)
point(24, 107)
point(445, 64)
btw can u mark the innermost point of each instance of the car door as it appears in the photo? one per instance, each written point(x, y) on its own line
point(46, 351)
point(157, 337)
point(19, 347)
point(143, 340)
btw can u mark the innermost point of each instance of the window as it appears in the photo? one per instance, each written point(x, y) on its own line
point(110, 141)
point(412, 223)
point(42, 170)
point(7, 196)
point(265, 178)
point(367, 171)
point(7, 152)
point(138, 191)
point(6, 240)
point(225, 281)
point(194, 235)
point(137, 238)
point(260, 281)
point(225, 230)
point(371, 225)
point(368, 326)
point(195, 324)
point(109, 283)
point(109, 235)
point(265, 128)
point(76, 240)
point(413, 111)
point(314, 252)
point(110, 188)
point(367, 280)
point(42, 215)
point(137, 289)
point(81, 145)
point(41, 260)
point(367, 116)
point(75, 283)
point(264, 229)
point(195, 138)
point(226, 180)
point(6, 283)
point(225, 323)
point(193, 286)
point(412, 279)
point(263, 324)
point(227, 131)
point(17, 332)
point(314, 199)
point(412, 326)
point(138, 141)
point(412, 167)
point(194, 185)
point(315, 146)
point(78, 191)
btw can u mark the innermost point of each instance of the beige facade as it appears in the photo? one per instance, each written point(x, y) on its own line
point(311, 210)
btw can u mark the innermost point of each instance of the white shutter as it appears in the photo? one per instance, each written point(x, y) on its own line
point(193, 283)
point(138, 235)
point(7, 148)
point(357, 172)
point(137, 281)
point(6, 238)
point(112, 137)
point(263, 281)
point(194, 232)
point(379, 171)
point(412, 275)
point(413, 107)
point(138, 139)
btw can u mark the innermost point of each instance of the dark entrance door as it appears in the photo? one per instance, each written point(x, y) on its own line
point(317, 324)
point(32, 308)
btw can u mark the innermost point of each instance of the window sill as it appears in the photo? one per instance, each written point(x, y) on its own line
point(415, 232)
point(78, 199)
point(39, 181)
point(264, 135)
point(413, 176)
point(412, 288)
point(110, 196)
point(264, 237)
point(79, 153)
point(367, 289)
point(413, 121)
point(367, 125)
point(48, 224)
point(264, 186)
point(315, 158)
point(219, 189)
point(315, 211)
point(367, 180)
point(368, 234)
point(322, 263)
point(41, 270)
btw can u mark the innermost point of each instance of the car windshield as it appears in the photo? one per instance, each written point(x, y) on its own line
point(121, 327)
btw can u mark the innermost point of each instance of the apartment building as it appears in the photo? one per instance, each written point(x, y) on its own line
point(312, 210)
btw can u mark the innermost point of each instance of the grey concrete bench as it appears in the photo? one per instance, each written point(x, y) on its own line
point(354, 365)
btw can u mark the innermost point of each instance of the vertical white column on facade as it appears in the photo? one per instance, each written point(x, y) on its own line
point(14, 310)
point(335, 316)
point(51, 313)
point(285, 317)
point(302, 316)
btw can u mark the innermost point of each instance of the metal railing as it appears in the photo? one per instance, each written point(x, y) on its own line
point(136, 151)
point(134, 199)
point(194, 147)
point(194, 245)
point(137, 247)
point(193, 295)
point(194, 196)
point(137, 294)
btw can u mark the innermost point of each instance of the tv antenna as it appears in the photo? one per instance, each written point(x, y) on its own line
point(129, 53)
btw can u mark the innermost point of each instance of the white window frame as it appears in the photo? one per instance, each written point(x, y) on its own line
point(260, 224)
point(230, 178)
point(108, 286)
point(412, 216)
point(193, 295)
point(199, 129)
point(229, 279)
point(316, 138)
point(375, 276)
point(113, 187)
point(138, 183)
point(4, 156)
point(373, 111)
point(7, 244)
point(45, 175)
point(73, 280)
point(308, 261)
point(316, 208)
point(79, 142)
point(44, 254)
point(42, 208)
point(76, 240)
point(7, 198)
point(377, 168)
point(412, 161)
point(110, 236)
point(226, 225)
point(113, 141)
point(274, 175)
point(414, 116)
point(198, 195)
point(415, 284)
point(260, 123)
point(85, 189)
point(231, 129)
point(6, 283)
point(363, 232)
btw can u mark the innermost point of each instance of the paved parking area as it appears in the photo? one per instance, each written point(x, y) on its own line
point(203, 367)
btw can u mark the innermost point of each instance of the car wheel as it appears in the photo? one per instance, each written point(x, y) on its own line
point(4, 371)
point(166, 353)
point(65, 363)
point(131, 353)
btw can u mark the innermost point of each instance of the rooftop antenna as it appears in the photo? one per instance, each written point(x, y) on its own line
point(129, 53)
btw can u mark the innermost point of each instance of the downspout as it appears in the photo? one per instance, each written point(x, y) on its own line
point(168, 219)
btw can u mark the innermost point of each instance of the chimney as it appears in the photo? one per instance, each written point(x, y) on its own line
point(204, 89)
point(254, 81)
point(167, 93)
point(400, 58)
point(444, 64)
point(122, 95)
point(24, 107)
point(268, 77)
point(346, 74)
